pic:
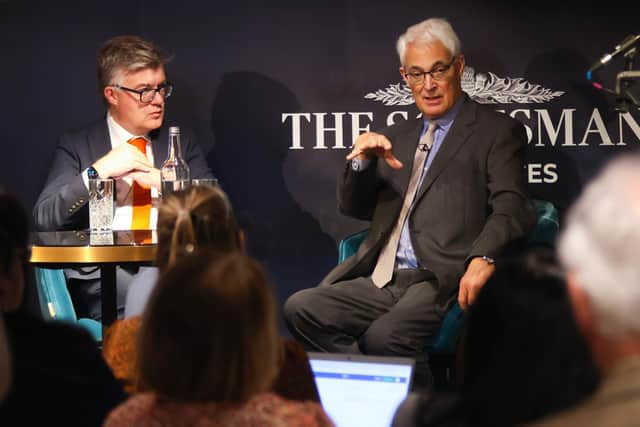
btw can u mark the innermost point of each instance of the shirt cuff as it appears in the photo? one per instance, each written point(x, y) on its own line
point(85, 178)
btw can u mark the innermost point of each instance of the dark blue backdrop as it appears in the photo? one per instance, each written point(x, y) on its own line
point(276, 90)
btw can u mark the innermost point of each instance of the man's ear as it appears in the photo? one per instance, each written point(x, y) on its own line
point(110, 95)
point(461, 63)
point(402, 73)
point(581, 304)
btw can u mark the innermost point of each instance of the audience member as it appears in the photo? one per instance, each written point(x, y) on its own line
point(523, 354)
point(599, 248)
point(59, 376)
point(198, 218)
point(209, 350)
point(201, 217)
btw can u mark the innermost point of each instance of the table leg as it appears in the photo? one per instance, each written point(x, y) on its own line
point(108, 295)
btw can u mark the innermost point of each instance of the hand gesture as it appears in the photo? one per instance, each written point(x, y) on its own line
point(122, 160)
point(477, 274)
point(148, 179)
point(373, 144)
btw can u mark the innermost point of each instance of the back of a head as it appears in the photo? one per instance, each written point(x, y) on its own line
point(522, 341)
point(14, 254)
point(600, 246)
point(209, 330)
point(124, 54)
point(14, 229)
point(427, 32)
point(199, 217)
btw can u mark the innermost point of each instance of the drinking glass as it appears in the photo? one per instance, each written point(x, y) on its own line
point(101, 204)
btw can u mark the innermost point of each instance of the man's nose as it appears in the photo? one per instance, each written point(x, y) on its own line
point(429, 82)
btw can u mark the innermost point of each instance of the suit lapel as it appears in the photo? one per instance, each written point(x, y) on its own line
point(457, 136)
point(159, 143)
point(405, 151)
point(99, 140)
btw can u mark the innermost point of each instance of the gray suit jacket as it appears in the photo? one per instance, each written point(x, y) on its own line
point(63, 203)
point(472, 202)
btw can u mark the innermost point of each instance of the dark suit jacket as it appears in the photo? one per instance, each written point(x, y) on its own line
point(63, 203)
point(472, 202)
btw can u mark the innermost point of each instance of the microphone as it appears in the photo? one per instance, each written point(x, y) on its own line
point(623, 46)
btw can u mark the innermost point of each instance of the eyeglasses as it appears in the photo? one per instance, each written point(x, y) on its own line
point(416, 78)
point(147, 95)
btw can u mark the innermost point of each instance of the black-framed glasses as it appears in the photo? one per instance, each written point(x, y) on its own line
point(147, 94)
point(437, 73)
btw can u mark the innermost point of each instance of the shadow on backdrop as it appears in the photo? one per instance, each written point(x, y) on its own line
point(248, 156)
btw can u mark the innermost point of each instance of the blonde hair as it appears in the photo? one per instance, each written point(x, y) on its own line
point(209, 331)
point(198, 217)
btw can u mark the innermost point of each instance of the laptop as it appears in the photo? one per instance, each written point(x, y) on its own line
point(359, 390)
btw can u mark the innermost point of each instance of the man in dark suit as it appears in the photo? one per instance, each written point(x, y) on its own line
point(128, 145)
point(464, 205)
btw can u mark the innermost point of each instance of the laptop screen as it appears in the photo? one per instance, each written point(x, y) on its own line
point(358, 390)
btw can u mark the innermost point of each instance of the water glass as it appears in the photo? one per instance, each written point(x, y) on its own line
point(101, 192)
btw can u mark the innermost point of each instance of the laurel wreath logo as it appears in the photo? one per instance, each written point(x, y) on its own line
point(485, 88)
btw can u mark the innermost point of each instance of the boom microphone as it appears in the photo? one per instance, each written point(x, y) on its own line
point(623, 46)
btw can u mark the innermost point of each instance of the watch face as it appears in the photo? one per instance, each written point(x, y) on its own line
point(92, 173)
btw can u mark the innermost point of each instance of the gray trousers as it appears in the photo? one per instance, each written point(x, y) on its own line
point(84, 288)
point(354, 316)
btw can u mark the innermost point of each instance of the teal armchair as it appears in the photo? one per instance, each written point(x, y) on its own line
point(55, 301)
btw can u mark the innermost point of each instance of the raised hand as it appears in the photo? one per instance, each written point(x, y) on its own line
point(373, 144)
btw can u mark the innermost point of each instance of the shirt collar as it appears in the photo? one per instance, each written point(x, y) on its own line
point(118, 133)
point(446, 121)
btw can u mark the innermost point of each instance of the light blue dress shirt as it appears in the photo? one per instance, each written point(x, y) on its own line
point(406, 256)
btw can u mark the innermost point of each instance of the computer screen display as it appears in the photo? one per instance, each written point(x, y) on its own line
point(357, 390)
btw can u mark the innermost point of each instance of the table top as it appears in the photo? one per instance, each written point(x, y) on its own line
point(84, 247)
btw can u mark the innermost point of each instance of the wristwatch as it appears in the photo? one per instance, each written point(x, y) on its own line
point(92, 173)
point(489, 260)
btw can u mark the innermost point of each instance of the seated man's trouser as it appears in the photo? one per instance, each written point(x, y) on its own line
point(354, 316)
point(85, 290)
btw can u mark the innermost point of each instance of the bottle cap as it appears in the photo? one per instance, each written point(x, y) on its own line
point(173, 130)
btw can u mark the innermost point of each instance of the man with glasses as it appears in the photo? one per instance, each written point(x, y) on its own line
point(445, 194)
point(128, 145)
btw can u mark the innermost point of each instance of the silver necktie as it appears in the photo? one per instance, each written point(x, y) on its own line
point(383, 272)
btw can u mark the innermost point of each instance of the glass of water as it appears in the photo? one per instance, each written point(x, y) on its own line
point(101, 192)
